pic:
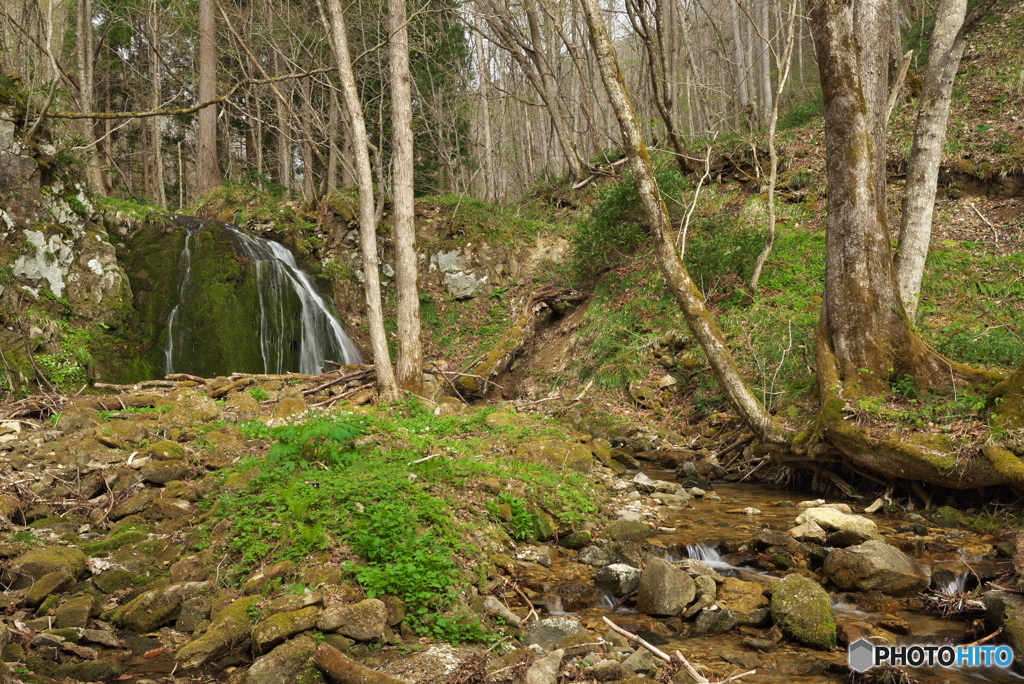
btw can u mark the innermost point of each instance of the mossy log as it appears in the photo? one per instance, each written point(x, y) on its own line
point(542, 302)
point(933, 460)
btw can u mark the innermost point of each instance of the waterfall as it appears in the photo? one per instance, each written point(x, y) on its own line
point(278, 277)
point(185, 264)
point(296, 328)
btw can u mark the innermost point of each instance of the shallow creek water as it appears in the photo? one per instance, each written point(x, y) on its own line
point(705, 525)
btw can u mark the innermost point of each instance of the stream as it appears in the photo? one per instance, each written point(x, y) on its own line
point(707, 529)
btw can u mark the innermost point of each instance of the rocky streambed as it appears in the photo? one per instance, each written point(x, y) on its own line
point(111, 569)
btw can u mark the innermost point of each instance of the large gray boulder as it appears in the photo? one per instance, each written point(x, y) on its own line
point(664, 589)
point(875, 565)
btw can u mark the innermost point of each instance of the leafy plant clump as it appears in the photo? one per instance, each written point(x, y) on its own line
point(345, 487)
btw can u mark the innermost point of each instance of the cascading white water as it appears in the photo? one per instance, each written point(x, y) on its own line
point(703, 552)
point(297, 330)
point(185, 262)
point(278, 277)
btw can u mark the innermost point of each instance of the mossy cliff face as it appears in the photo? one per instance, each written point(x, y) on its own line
point(216, 329)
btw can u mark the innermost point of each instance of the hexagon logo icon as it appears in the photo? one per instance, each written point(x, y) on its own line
point(861, 655)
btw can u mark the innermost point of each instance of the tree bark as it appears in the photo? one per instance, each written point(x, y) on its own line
point(410, 349)
point(656, 215)
point(155, 135)
point(948, 40)
point(207, 166)
point(334, 22)
point(864, 324)
point(86, 93)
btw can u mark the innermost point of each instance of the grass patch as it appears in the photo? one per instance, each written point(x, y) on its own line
point(345, 485)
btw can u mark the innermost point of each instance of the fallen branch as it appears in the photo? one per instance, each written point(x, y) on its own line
point(185, 376)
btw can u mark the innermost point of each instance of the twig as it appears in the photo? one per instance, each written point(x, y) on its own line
point(426, 458)
point(991, 636)
point(633, 637)
point(529, 604)
point(995, 235)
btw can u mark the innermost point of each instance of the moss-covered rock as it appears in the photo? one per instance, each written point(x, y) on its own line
point(283, 665)
point(626, 530)
point(159, 605)
point(114, 579)
point(803, 611)
point(364, 621)
point(230, 629)
point(162, 472)
point(277, 628)
point(259, 580)
point(51, 583)
point(556, 454)
point(91, 671)
point(75, 612)
point(166, 450)
point(41, 561)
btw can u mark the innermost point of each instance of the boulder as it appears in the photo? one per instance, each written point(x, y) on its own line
point(598, 557)
point(75, 612)
point(809, 531)
point(287, 410)
point(162, 472)
point(363, 621)
point(618, 578)
point(283, 665)
point(545, 670)
point(714, 621)
point(843, 529)
point(556, 454)
point(1006, 611)
point(44, 560)
point(52, 583)
point(549, 631)
point(802, 609)
point(741, 596)
point(277, 628)
point(230, 629)
point(133, 505)
point(626, 530)
point(664, 589)
point(165, 450)
point(258, 581)
point(875, 565)
point(157, 607)
point(496, 608)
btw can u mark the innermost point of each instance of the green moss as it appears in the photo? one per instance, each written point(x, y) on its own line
point(1006, 463)
point(91, 671)
point(116, 541)
point(803, 611)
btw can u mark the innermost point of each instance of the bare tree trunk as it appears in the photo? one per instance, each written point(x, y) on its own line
point(485, 112)
point(86, 88)
point(864, 332)
point(308, 179)
point(207, 166)
point(764, 61)
point(673, 269)
point(155, 123)
point(335, 25)
point(948, 40)
point(773, 153)
point(410, 349)
point(332, 141)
